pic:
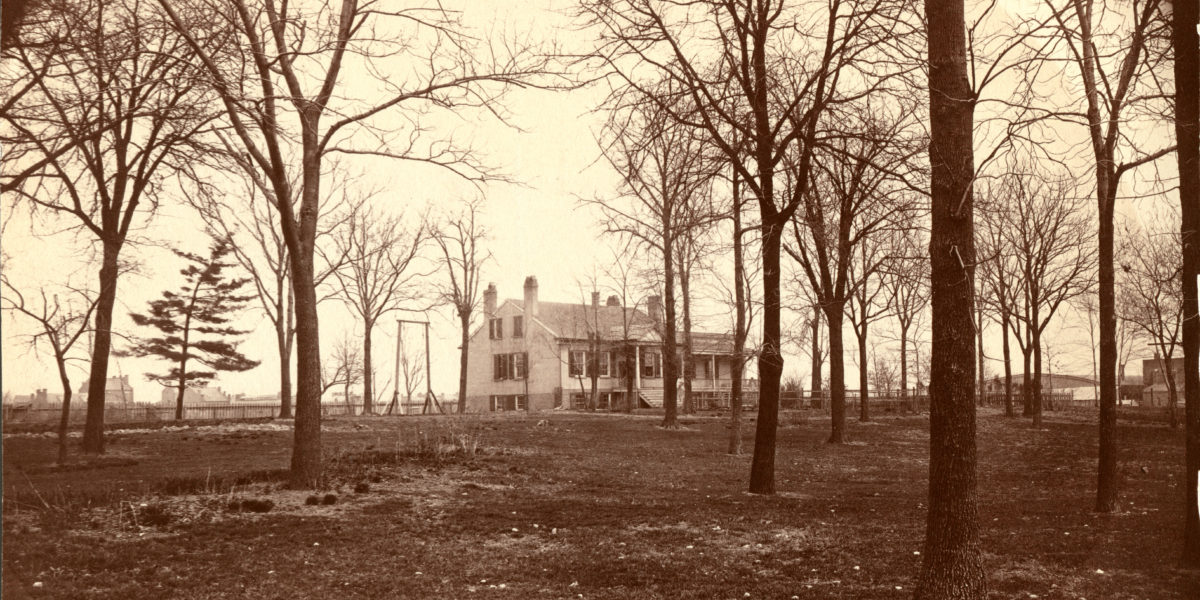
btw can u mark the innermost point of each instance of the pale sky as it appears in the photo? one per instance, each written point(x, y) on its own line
point(537, 227)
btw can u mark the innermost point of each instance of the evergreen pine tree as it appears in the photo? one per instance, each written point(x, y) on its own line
point(193, 324)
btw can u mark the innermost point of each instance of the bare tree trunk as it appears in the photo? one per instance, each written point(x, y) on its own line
point(368, 383)
point(952, 564)
point(1107, 484)
point(770, 360)
point(1008, 395)
point(285, 338)
point(64, 418)
point(306, 448)
point(1036, 392)
point(739, 327)
point(689, 366)
point(463, 353)
point(1027, 382)
point(670, 359)
point(1172, 397)
point(864, 413)
point(93, 429)
point(1187, 135)
point(817, 360)
point(837, 376)
point(903, 363)
point(980, 387)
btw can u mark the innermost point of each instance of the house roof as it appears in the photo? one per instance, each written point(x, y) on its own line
point(574, 321)
point(1057, 380)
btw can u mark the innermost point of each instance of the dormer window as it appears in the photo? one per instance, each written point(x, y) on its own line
point(518, 327)
point(496, 329)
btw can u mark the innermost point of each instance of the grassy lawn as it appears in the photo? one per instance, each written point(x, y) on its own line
point(579, 506)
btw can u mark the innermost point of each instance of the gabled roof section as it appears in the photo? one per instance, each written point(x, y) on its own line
point(576, 321)
point(565, 320)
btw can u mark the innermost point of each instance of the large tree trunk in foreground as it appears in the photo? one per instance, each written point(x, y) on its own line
point(770, 360)
point(465, 322)
point(93, 429)
point(306, 447)
point(952, 564)
point(368, 372)
point(1036, 380)
point(1187, 135)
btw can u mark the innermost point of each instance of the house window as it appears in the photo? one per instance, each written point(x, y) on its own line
point(499, 366)
point(605, 364)
point(507, 403)
point(651, 364)
point(518, 327)
point(509, 366)
point(575, 362)
point(496, 329)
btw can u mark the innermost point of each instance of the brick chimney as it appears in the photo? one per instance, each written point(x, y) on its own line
point(489, 301)
point(613, 301)
point(531, 297)
point(595, 299)
point(655, 308)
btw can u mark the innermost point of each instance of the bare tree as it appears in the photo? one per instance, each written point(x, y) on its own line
point(380, 273)
point(412, 373)
point(663, 173)
point(253, 228)
point(1113, 64)
point(906, 277)
point(460, 241)
point(1000, 281)
point(1150, 294)
point(61, 323)
point(286, 62)
point(758, 90)
point(1044, 227)
point(106, 106)
point(854, 198)
point(1185, 28)
point(952, 563)
point(870, 302)
point(343, 367)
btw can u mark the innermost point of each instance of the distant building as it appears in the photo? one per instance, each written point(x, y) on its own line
point(117, 391)
point(261, 399)
point(195, 395)
point(1154, 381)
point(1081, 389)
point(38, 399)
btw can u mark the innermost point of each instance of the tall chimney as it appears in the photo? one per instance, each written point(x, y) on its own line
point(531, 297)
point(655, 308)
point(595, 299)
point(489, 301)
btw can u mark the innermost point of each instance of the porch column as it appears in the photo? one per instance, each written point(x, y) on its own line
point(713, 372)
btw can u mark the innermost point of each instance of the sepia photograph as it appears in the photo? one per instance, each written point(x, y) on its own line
point(600, 299)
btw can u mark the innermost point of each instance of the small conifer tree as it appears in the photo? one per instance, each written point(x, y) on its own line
point(193, 324)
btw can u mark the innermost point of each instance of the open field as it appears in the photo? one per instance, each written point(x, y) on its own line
point(571, 505)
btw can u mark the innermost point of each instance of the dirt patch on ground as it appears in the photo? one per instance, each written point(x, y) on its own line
point(564, 505)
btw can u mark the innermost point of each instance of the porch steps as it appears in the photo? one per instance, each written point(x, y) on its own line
point(650, 398)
